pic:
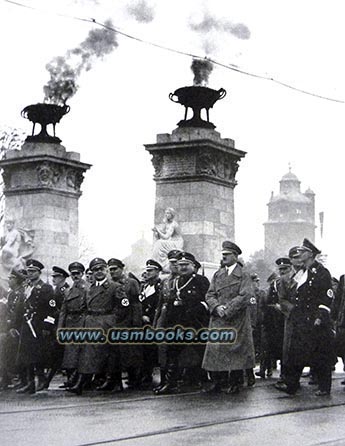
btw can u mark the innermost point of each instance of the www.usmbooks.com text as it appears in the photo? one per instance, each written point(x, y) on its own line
point(146, 335)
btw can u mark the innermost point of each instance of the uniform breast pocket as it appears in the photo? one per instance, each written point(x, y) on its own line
point(231, 289)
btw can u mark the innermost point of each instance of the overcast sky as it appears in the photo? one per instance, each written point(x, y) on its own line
point(122, 103)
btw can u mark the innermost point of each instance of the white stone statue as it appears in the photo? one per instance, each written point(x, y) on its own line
point(10, 243)
point(16, 245)
point(167, 236)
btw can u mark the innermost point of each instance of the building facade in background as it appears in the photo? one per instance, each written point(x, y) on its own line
point(291, 217)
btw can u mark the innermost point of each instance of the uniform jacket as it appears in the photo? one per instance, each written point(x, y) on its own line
point(16, 307)
point(149, 297)
point(313, 299)
point(107, 306)
point(234, 291)
point(187, 306)
point(73, 307)
point(338, 314)
point(40, 309)
point(166, 295)
point(132, 288)
point(72, 315)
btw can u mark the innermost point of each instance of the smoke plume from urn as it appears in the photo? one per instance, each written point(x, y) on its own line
point(210, 23)
point(141, 11)
point(65, 70)
point(202, 68)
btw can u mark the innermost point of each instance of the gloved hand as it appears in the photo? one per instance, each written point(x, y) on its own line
point(146, 320)
point(14, 333)
point(219, 311)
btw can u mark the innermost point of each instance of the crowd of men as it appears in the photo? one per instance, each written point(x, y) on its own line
point(299, 320)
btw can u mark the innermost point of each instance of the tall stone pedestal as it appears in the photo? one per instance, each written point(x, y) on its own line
point(42, 187)
point(195, 172)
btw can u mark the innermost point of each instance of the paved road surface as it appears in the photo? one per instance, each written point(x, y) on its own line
point(260, 416)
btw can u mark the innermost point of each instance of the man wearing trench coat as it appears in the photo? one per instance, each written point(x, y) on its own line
point(72, 315)
point(228, 299)
point(107, 306)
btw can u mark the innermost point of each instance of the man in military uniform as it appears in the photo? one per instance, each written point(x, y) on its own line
point(126, 357)
point(272, 320)
point(15, 311)
point(107, 306)
point(149, 298)
point(187, 309)
point(37, 326)
point(338, 315)
point(166, 295)
point(311, 336)
point(72, 315)
point(228, 299)
point(55, 350)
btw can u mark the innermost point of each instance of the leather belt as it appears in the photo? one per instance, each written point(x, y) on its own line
point(99, 313)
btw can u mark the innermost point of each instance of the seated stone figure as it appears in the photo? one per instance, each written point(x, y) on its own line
point(167, 236)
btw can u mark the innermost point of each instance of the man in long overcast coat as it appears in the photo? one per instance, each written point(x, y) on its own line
point(229, 298)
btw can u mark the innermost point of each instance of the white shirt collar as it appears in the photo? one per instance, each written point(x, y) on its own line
point(99, 283)
point(231, 268)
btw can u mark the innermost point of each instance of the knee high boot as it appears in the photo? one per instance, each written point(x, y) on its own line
point(170, 380)
point(78, 387)
point(163, 371)
point(41, 385)
point(30, 386)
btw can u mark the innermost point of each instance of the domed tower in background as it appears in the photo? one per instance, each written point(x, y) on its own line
point(291, 217)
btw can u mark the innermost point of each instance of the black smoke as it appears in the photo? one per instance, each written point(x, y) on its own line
point(202, 68)
point(65, 70)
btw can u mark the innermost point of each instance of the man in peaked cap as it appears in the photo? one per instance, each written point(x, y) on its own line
point(272, 321)
point(107, 306)
point(166, 295)
point(59, 276)
point(311, 324)
point(72, 316)
point(37, 327)
point(187, 308)
point(55, 351)
point(228, 299)
point(126, 357)
point(149, 298)
point(11, 315)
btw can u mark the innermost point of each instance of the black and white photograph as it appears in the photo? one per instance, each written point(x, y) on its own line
point(172, 222)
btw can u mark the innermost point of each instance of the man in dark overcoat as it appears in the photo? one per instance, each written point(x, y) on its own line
point(228, 299)
point(125, 357)
point(37, 327)
point(54, 349)
point(107, 306)
point(149, 298)
point(312, 336)
point(15, 311)
point(166, 295)
point(72, 315)
point(186, 307)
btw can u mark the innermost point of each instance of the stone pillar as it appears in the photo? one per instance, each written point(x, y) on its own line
point(195, 172)
point(42, 187)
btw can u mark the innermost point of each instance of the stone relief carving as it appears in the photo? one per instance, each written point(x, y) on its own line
point(74, 178)
point(48, 174)
point(207, 164)
point(7, 176)
point(218, 165)
point(157, 161)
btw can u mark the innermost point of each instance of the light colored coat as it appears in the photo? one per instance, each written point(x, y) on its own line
point(234, 291)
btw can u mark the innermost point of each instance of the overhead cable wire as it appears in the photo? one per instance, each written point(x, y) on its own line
point(231, 67)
